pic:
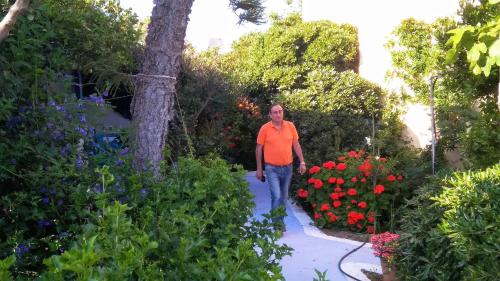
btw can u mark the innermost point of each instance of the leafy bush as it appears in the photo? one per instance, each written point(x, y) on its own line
point(359, 192)
point(449, 229)
point(471, 220)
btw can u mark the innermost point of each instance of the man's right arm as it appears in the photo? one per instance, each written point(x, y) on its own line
point(258, 160)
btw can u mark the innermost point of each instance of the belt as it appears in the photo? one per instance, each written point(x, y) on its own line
point(278, 165)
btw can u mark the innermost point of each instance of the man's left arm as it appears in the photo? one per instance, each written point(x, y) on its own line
point(298, 151)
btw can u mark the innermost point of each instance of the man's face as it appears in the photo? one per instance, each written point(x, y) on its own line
point(276, 113)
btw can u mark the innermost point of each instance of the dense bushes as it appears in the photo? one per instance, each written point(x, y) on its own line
point(192, 226)
point(450, 229)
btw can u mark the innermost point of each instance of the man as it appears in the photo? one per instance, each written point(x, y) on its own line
point(277, 138)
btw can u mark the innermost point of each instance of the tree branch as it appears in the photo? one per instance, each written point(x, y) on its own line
point(10, 19)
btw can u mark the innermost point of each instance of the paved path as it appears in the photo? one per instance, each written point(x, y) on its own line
point(312, 248)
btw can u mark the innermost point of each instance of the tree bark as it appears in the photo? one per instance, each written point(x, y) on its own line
point(10, 19)
point(152, 104)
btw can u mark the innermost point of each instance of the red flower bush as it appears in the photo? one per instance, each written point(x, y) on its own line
point(357, 203)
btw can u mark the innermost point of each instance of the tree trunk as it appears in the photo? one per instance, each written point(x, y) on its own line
point(10, 19)
point(152, 105)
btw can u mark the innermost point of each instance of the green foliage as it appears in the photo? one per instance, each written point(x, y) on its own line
point(4, 268)
point(424, 252)
point(471, 220)
point(281, 58)
point(114, 249)
point(420, 51)
point(334, 113)
point(449, 230)
point(481, 42)
point(199, 215)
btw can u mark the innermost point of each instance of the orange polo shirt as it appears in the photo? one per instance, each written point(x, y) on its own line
point(277, 143)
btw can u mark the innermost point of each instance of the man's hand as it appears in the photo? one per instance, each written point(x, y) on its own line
point(258, 174)
point(302, 168)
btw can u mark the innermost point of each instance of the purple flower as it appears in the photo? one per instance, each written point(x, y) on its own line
point(22, 249)
point(105, 93)
point(79, 163)
point(44, 223)
point(45, 200)
point(123, 152)
point(82, 118)
point(119, 162)
point(98, 188)
point(81, 130)
point(66, 150)
point(97, 99)
point(144, 192)
point(52, 103)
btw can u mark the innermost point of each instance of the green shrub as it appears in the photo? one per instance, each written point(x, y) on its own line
point(471, 220)
point(449, 229)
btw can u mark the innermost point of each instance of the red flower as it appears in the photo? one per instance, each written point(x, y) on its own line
point(341, 166)
point(329, 165)
point(311, 180)
point(362, 204)
point(352, 154)
point(314, 170)
point(341, 158)
point(352, 192)
point(334, 196)
point(337, 203)
point(391, 178)
point(340, 181)
point(378, 189)
point(400, 178)
point(341, 194)
point(371, 219)
point(353, 217)
point(337, 189)
point(366, 167)
point(302, 193)
point(370, 229)
point(317, 216)
point(331, 180)
point(324, 207)
point(363, 180)
point(333, 217)
point(318, 184)
point(354, 179)
point(353, 202)
point(382, 159)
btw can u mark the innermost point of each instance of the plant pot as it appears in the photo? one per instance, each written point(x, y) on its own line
point(388, 272)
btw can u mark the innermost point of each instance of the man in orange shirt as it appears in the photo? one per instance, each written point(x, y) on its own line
point(277, 138)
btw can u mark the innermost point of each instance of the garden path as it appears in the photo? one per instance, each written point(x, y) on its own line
point(312, 248)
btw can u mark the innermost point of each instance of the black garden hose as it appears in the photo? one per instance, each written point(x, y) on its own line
point(345, 256)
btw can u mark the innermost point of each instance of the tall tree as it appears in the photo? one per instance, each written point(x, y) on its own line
point(152, 105)
point(10, 19)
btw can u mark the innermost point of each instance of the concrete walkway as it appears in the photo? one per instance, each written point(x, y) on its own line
point(313, 249)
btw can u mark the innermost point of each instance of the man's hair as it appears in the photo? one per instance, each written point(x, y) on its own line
point(275, 104)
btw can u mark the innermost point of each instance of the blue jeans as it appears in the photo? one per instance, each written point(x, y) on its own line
point(279, 178)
